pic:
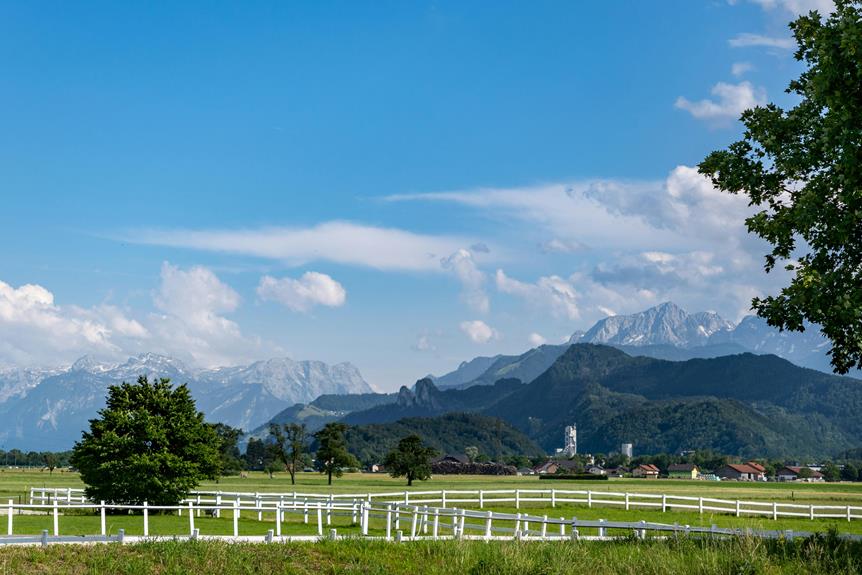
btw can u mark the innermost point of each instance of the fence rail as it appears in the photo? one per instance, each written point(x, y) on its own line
point(395, 521)
point(508, 497)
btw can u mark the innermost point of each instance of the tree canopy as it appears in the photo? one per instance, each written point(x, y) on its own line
point(289, 445)
point(411, 459)
point(149, 443)
point(802, 168)
point(332, 455)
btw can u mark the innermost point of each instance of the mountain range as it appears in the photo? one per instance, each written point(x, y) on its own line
point(747, 405)
point(665, 331)
point(47, 410)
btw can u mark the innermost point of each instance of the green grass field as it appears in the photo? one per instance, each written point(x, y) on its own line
point(691, 557)
point(15, 484)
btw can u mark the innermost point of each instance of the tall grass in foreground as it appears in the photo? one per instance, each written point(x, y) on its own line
point(822, 554)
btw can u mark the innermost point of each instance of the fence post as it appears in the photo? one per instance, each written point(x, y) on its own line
point(553, 498)
point(9, 526)
point(436, 527)
point(121, 536)
point(268, 537)
point(642, 530)
point(146, 520)
point(415, 520)
point(461, 524)
point(481, 499)
point(454, 522)
point(406, 498)
point(774, 511)
point(517, 499)
point(44, 538)
point(333, 534)
point(544, 526)
point(517, 524)
point(329, 510)
point(811, 511)
point(305, 510)
point(198, 505)
point(627, 502)
point(663, 503)
point(575, 535)
point(236, 507)
point(236, 518)
point(443, 499)
point(320, 519)
point(562, 526)
point(488, 525)
point(699, 505)
point(56, 519)
point(590, 499)
point(388, 521)
point(191, 517)
point(399, 536)
point(278, 520)
point(257, 503)
point(365, 509)
point(737, 507)
point(602, 530)
point(102, 517)
point(848, 514)
point(218, 505)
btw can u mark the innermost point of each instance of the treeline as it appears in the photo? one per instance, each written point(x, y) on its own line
point(35, 459)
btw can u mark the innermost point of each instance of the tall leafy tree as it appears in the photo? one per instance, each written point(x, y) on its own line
point(332, 454)
point(802, 168)
point(289, 446)
point(411, 459)
point(231, 462)
point(149, 443)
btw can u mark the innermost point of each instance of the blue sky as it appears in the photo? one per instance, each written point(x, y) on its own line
point(399, 185)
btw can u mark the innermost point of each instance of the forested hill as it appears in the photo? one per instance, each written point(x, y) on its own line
point(450, 433)
point(744, 404)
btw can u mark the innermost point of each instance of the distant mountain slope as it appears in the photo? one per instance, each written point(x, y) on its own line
point(449, 433)
point(744, 404)
point(665, 324)
point(51, 414)
point(466, 372)
point(425, 400)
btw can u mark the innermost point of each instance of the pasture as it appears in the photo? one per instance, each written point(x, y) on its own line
point(15, 484)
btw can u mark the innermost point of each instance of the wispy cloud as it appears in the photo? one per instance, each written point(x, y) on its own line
point(746, 40)
point(478, 331)
point(337, 241)
point(730, 101)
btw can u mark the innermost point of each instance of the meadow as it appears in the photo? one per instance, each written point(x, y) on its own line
point(15, 484)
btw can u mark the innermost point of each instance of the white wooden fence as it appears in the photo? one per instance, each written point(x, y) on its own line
point(501, 497)
point(395, 521)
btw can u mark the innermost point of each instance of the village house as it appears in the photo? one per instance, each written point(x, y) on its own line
point(683, 471)
point(742, 472)
point(547, 468)
point(791, 473)
point(452, 458)
point(646, 470)
point(595, 470)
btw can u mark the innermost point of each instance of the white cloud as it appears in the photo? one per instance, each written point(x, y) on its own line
point(472, 279)
point(302, 294)
point(340, 242)
point(650, 241)
point(191, 324)
point(536, 339)
point(798, 7)
point(478, 331)
point(424, 343)
point(747, 40)
point(551, 292)
point(731, 100)
point(558, 246)
point(34, 330)
point(741, 68)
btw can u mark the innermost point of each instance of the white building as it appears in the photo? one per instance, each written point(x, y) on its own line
point(571, 442)
point(626, 449)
